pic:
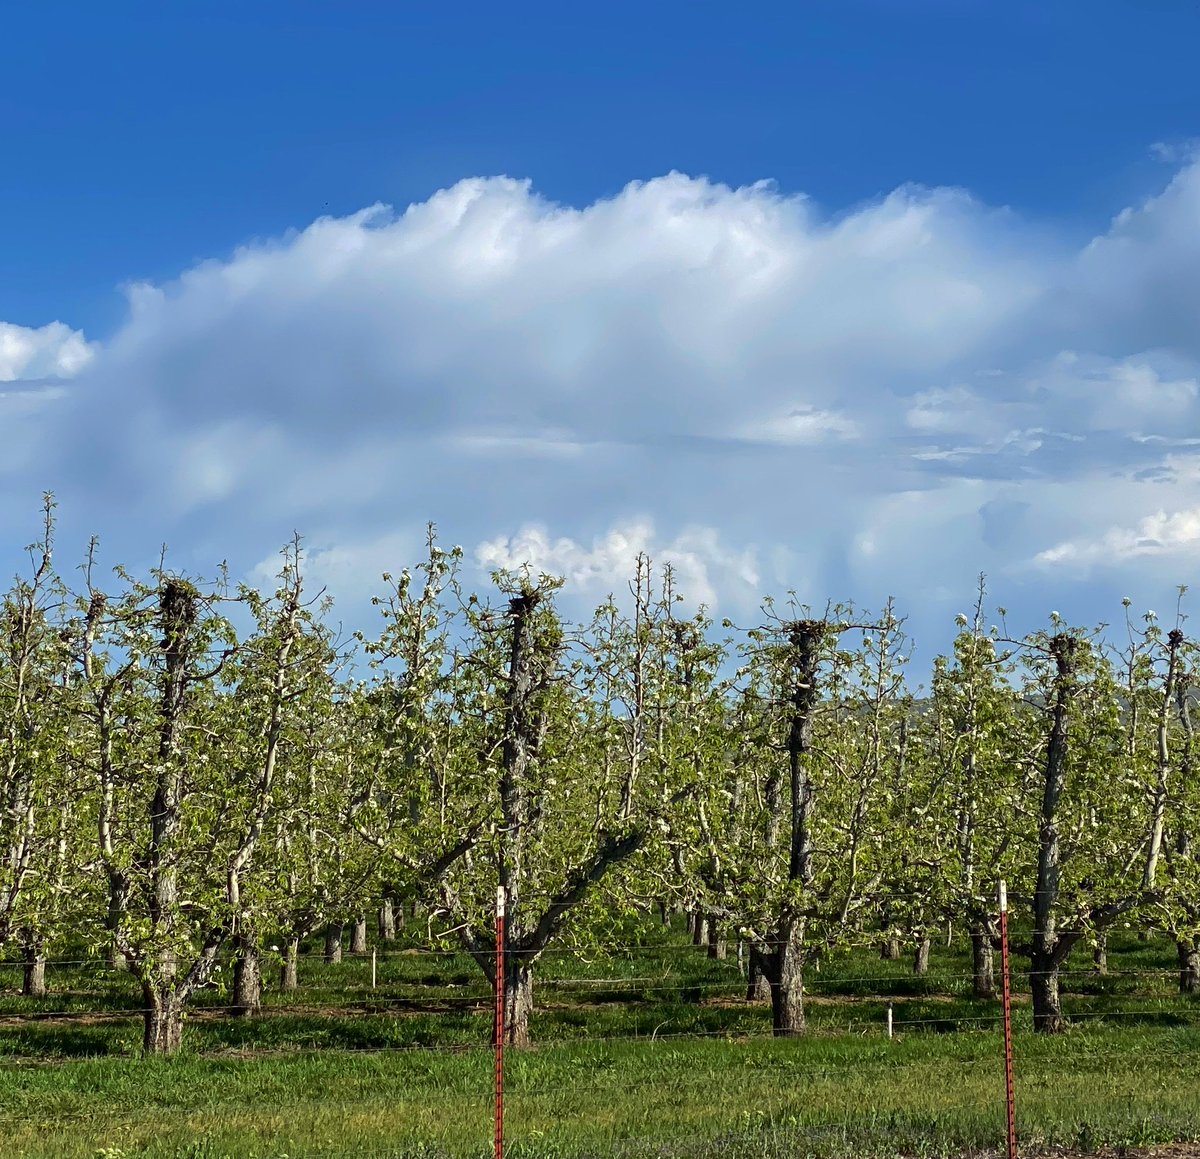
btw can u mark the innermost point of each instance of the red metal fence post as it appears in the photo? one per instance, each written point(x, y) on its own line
point(1006, 988)
point(499, 1027)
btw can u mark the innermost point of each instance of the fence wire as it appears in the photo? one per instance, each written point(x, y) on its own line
point(534, 1086)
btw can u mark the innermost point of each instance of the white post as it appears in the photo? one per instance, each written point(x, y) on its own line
point(889, 1020)
point(372, 969)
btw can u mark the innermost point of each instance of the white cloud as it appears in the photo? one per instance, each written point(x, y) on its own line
point(1160, 534)
point(884, 400)
point(705, 569)
point(51, 351)
point(801, 426)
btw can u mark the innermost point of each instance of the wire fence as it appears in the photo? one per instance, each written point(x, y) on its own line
point(605, 1039)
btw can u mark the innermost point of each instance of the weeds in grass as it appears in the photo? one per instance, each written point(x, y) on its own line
point(650, 1053)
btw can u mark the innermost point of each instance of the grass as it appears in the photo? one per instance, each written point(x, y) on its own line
point(650, 1051)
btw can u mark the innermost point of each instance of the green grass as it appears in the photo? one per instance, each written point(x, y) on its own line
point(650, 1051)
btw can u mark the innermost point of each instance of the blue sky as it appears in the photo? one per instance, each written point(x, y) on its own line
point(139, 137)
point(934, 327)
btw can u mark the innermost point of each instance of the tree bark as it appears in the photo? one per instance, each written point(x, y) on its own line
point(1100, 953)
point(786, 973)
point(1189, 966)
point(387, 921)
point(889, 950)
point(664, 915)
point(983, 977)
point(164, 1008)
point(518, 1003)
point(784, 963)
point(247, 977)
point(117, 890)
point(34, 982)
point(163, 1020)
point(758, 984)
point(1049, 948)
point(288, 972)
point(716, 940)
point(333, 942)
point(921, 957)
point(699, 929)
point(1047, 1001)
point(358, 935)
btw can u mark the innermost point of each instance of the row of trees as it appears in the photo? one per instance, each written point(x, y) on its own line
point(191, 770)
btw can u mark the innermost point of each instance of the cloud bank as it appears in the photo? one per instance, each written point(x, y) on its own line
point(884, 400)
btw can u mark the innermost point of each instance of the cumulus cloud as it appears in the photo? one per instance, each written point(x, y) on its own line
point(882, 400)
point(50, 351)
point(1176, 533)
point(705, 569)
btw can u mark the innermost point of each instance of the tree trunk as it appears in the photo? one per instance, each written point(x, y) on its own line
point(889, 949)
point(387, 921)
point(163, 1020)
point(983, 977)
point(1049, 949)
point(113, 958)
point(758, 984)
point(1047, 1002)
point(1189, 966)
point(358, 935)
point(288, 973)
point(1100, 953)
point(664, 915)
point(518, 1003)
point(786, 974)
point(34, 983)
point(247, 977)
point(921, 957)
point(716, 940)
point(333, 942)
point(699, 929)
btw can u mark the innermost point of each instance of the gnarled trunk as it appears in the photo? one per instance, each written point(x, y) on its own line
point(716, 940)
point(1049, 947)
point(1189, 965)
point(387, 921)
point(34, 982)
point(921, 957)
point(358, 935)
point(518, 1003)
point(1100, 953)
point(117, 893)
point(758, 984)
point(333, 942)
point(163, 1020)
point(1047, 1002)
point(288, 972)
point(785, 970)
point(983, 975)
point(699, 929)
point(247, 977)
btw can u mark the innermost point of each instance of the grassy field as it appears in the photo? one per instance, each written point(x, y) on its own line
point(649, 1051)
